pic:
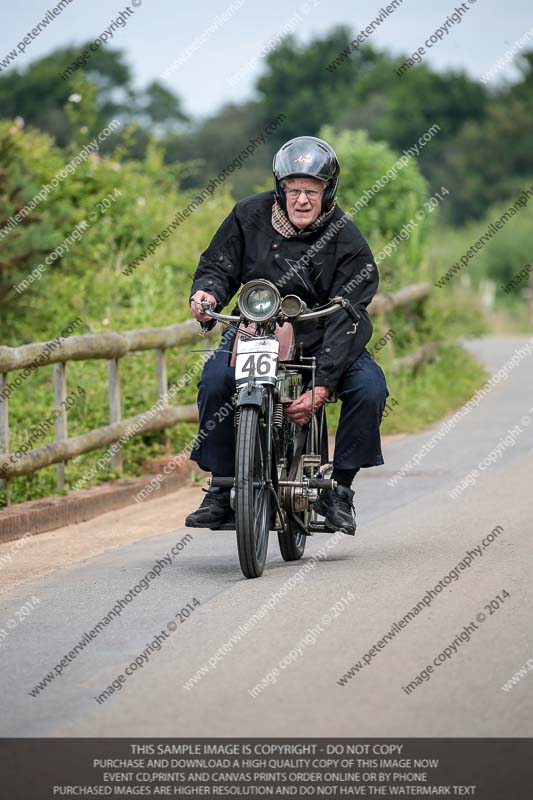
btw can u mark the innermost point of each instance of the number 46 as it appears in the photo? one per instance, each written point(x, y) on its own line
point(259, 363)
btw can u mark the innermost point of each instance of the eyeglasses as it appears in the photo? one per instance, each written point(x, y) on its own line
point(311, 194)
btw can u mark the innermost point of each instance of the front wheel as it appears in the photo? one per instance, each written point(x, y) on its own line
point(252, 492)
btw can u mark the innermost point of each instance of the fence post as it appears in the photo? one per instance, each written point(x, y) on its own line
point(530, 304)
point(4, 427)
point(162, 386)
point(60, 397)
point(115, 414)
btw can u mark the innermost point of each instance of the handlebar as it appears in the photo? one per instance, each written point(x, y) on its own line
point(336, 304)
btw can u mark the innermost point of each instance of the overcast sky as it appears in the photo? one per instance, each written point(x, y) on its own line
point(159, 32)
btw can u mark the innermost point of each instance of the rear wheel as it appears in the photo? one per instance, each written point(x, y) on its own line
point(252, 492)
point(292, 540)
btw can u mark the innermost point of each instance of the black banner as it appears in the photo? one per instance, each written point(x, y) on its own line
point(485, 769)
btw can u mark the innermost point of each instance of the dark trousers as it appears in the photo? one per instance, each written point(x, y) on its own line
point(362, 392)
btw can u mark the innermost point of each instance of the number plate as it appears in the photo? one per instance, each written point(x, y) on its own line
point(257, 357)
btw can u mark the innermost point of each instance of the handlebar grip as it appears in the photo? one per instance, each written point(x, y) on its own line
point(352, 312)
point(206, 306)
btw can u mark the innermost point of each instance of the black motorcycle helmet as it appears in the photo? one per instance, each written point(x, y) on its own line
point(306, 157)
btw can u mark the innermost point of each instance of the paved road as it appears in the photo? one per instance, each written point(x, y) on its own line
point(411, 535)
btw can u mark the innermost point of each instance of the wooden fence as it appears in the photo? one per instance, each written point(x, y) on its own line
point(113, 347)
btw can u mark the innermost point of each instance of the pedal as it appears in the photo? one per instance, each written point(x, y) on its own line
point(319, 527)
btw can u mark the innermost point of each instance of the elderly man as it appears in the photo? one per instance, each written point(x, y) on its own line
point(298, 238)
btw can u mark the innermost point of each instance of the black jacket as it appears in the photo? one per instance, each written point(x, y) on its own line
point(246, 246)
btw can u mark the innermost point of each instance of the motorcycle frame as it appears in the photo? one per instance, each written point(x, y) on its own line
point(263, 395)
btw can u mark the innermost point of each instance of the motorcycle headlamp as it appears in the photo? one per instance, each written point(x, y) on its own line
point(292, 306)
point(259, 300)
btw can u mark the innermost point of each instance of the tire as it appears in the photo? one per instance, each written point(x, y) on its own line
point(252, 503)
point(292, 542)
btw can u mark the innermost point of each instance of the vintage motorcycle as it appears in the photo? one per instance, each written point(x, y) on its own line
point(279, 465)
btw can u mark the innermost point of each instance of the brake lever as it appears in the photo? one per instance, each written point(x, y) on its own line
point(208, 325)
point(356, 318)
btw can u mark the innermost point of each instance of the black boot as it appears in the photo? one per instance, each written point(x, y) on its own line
point(214, 510)
point(336, 505)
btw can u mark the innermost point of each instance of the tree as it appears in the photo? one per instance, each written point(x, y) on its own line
point(420, 99)
point(215, 143)
point(298, 82)
point(40, 93)
point(490, 161)
point(161, 108)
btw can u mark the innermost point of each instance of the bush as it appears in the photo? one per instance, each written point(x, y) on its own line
point(142, 198)
point(392, 207)
point(502, 257)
